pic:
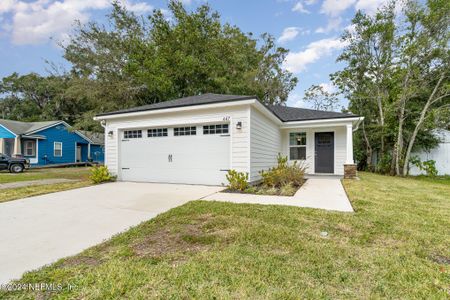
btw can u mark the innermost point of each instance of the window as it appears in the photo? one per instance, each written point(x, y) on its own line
point(157, 132)
point(57, 149)
point(215, 129)
point(297, 146)
point(132, 134)
point(180, 131)
point(29, 147)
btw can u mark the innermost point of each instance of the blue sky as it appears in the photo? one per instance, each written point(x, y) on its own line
point(310, 29)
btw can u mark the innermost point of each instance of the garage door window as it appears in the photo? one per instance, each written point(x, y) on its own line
point(215, 129)
point(132, 134)
point(156, 132)
point(180, 131)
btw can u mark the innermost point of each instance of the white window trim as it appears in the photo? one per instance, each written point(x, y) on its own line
point(33, 148)
point(297, 146)
point(132, 132)
point(54, 149)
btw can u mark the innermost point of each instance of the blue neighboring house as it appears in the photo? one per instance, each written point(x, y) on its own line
point(50, 142)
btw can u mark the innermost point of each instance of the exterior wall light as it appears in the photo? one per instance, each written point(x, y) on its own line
point(110, 134)
point(239, 125)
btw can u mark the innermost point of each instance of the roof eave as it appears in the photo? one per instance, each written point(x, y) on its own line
point(98, 116)
point(107, 116)
point(9, 130)
point(322, 122)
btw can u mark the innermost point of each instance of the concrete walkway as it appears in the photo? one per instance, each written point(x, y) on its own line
point(318, 192)
point(19, 184)
point(40, 230)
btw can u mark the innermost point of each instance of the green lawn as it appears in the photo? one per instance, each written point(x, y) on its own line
point(79, 174)
point(396, 245)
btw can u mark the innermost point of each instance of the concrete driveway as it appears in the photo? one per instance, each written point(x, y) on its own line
point(40, 230)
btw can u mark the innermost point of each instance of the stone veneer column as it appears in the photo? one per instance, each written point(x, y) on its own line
point(349, 166)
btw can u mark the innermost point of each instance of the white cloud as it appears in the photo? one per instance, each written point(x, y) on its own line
point(291, 33)
point(334, 24)
point(335, 7)
point(296, 100)
point(296, 62)
point(310, 2)
point(7, 5)
point(140, 7)
point(35, 22)
point(328, 87)
point(298, 7)
point(370, 6)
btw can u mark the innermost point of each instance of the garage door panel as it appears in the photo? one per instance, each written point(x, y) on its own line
point(199, 159)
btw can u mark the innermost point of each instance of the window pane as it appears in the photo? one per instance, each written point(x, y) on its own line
point(297, 139)
point(297, 153)
point(215, 129)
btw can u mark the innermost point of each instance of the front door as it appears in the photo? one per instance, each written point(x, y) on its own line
point(78, 153)
point(324, 152)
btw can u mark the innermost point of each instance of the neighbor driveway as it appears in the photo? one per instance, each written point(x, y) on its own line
point(39, 230)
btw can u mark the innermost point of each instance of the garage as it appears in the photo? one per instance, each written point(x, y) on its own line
point(191, 154)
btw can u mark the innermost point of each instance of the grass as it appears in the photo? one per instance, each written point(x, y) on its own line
point(79, 174)
point(37, 174)
point(396, 245)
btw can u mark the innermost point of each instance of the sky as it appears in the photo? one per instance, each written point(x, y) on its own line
point(310, 29)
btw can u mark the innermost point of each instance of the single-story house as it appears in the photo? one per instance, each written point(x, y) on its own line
point(440, 154)
point(50, 142)
point(196, 140)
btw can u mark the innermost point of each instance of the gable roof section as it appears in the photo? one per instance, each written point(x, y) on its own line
point(290, 114)
point(284, 113)
point(181, 102)
point(94, 137)
point(20, 128)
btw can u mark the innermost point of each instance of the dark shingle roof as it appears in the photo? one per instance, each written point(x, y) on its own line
point(284, 113)
point(186, 101)
point(289, 114)
point(25, 127)
point(96, 137)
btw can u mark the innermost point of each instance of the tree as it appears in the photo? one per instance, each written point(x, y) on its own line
point(367, 76)
point(396, 76)
point(321, 99)
point(155, 59)
point(135, 60)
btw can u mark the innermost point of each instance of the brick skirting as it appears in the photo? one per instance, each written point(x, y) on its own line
point(349, 171)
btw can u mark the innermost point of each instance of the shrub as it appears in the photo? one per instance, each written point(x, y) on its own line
point(284, 174)
point(237, 181)
point(429, 166)
point(287, 190)
point(101, 174)
point(251, 190)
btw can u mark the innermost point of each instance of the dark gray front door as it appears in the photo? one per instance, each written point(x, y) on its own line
point(324, 152)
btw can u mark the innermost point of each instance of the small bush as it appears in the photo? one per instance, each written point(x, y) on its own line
point(251, 190)
point(284, 174)
point(101, 174)
point(237, 181)
point(429, 166)
point(287, 190)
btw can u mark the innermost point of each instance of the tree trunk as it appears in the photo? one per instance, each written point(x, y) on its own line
point(368, 148)
point(423, 114)
point(399, 145)
point(381, 116)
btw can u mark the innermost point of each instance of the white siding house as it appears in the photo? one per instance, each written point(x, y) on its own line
point(440, 154)
point(196, 140)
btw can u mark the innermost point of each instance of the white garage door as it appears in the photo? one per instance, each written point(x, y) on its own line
point(187, 154)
